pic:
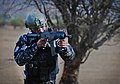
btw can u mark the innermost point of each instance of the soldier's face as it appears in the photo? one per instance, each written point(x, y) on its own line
point(39, 30)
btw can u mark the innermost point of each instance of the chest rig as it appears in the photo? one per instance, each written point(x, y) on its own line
point(42, 63)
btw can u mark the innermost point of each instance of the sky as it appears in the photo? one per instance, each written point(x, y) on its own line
point(5, 5)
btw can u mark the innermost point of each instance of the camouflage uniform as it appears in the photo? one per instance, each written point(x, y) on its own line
point(40, 66)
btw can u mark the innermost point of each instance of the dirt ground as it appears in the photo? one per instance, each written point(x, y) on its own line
point(102, 66)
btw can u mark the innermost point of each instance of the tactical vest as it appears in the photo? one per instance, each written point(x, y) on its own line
point(41, 65)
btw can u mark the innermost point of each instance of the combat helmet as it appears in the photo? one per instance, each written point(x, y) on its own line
point(35, 20)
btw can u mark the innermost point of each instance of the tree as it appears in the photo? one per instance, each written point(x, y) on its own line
point(101, 20)
point(90, 22)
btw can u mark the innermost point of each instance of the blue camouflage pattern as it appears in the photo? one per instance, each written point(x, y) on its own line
point(26, 52)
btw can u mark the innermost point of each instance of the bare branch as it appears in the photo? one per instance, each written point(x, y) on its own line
point(37, 4)
point(86, 56)
point(47, 14)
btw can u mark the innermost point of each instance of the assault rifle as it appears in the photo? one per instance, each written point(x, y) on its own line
point(51, 36)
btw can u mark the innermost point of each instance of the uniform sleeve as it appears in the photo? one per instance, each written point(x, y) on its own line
point(67, 53)
point(22, 52)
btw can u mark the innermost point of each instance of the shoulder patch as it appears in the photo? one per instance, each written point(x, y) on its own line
point(16, 48)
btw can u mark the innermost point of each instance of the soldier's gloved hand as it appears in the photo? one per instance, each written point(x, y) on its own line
point(63, 43)
point(42, 42)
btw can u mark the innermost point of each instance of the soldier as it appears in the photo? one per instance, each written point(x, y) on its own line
point(40, 66)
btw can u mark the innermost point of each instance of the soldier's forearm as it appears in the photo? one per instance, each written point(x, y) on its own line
point(26, 55)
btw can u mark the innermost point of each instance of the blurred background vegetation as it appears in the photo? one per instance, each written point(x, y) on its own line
point(15, 21)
